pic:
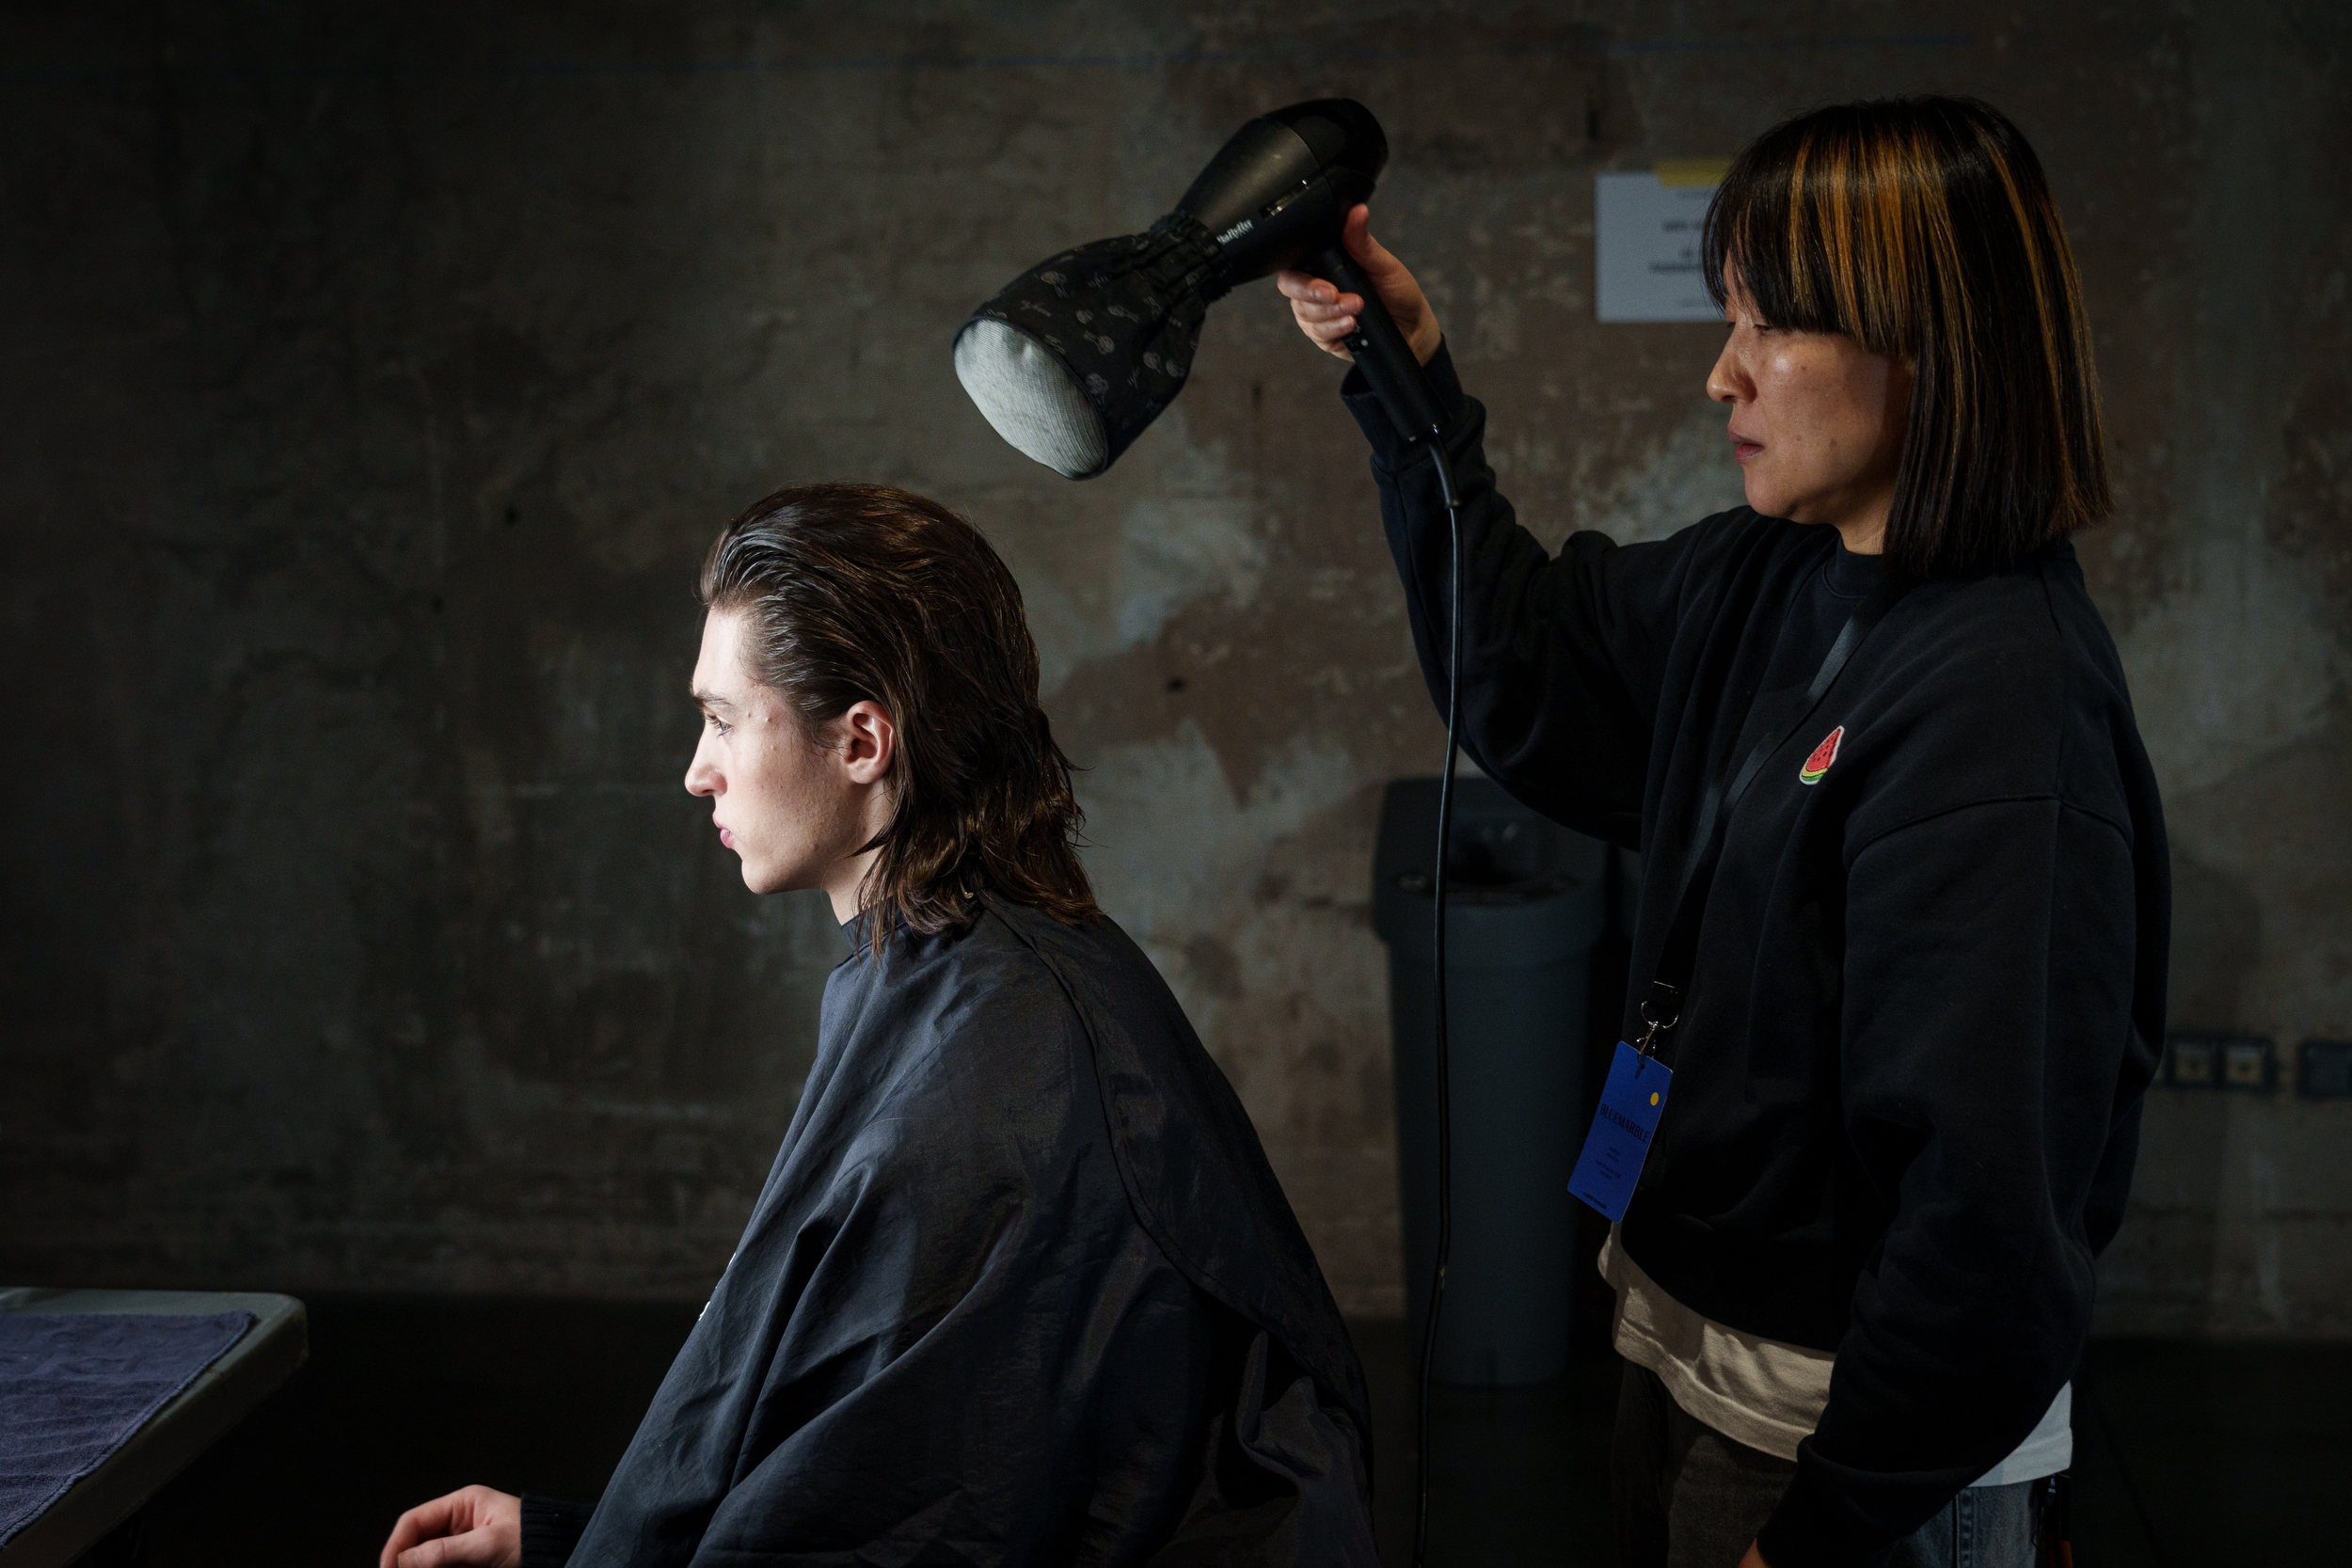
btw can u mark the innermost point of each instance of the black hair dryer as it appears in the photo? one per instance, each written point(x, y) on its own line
point(1073, 359)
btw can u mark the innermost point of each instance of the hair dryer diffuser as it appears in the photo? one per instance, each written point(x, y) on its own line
point(1074, 357)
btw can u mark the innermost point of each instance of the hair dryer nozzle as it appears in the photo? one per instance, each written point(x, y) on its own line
point(1074, 357)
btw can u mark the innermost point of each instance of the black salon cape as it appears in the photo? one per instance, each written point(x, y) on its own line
point(1020, 1289)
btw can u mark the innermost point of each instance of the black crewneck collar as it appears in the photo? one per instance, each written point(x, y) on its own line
point(1851, 575)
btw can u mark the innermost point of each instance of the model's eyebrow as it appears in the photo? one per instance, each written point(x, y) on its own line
point(708, 699)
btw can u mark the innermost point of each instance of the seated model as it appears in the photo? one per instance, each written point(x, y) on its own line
point(1021, 1288)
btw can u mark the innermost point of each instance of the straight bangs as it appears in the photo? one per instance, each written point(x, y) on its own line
point(1924, 230)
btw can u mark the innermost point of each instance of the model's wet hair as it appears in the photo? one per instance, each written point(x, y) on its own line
point(855, 592)
point(1923, 229)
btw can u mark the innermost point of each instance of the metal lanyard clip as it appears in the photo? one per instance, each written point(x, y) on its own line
point(1660, 1011)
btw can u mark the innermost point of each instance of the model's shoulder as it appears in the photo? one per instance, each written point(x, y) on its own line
point(1107, 977)
point(966, 1023)
point(989, 962)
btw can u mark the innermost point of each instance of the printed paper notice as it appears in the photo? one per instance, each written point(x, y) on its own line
point(1646, 247)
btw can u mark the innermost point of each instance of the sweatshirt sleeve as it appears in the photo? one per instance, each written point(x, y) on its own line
point(1562, 655)
point(1987, 1021)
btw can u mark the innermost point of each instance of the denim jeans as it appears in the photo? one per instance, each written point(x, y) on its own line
point(1686, 1496)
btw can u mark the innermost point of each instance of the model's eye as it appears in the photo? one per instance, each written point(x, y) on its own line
point(717, 724)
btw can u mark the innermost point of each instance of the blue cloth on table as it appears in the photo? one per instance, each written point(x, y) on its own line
point(74, 1386)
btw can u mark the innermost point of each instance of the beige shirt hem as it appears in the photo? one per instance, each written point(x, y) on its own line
point(1761, 1392)
point(1767, 1393)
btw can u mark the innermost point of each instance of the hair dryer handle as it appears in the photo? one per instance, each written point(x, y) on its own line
point(1386, 359)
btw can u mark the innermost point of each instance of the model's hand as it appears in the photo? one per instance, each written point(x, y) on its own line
point(1754, 1559)
point(474, 1525)
point(1329, 316)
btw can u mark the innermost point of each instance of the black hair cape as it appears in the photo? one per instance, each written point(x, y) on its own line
point(1020, 1289)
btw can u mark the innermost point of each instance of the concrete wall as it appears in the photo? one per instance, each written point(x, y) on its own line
point(376, 375)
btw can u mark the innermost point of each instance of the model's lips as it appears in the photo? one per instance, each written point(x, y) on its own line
point(727, 838)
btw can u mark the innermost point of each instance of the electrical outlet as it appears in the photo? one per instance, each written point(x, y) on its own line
point(2191, 1061)
point(2216, 1059)
point(2324, 1070)
point(2250, 1065)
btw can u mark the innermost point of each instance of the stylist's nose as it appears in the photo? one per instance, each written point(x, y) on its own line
point(1728, 381)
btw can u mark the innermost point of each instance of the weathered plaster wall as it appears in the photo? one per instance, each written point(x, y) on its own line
point(376, 375)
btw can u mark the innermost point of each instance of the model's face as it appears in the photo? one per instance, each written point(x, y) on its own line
point(1817, 423)
point(795, 807)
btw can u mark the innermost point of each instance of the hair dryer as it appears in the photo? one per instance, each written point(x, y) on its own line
point(1074, 357)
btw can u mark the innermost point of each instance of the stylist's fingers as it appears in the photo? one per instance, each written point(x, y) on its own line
point(1325, 315)
point(1378, 261)
point(1305, 288)
point(1393, 282)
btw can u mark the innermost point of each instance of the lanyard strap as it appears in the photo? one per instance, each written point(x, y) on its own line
point(1661, 1008)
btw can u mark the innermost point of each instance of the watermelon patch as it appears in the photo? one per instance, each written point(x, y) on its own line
point(1823, 755)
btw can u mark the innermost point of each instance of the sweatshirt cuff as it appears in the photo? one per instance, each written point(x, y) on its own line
point(1810, 1530)
point(1390, 449)
point(552, 1528)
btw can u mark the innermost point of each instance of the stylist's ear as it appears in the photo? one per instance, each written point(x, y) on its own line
point(870, 742)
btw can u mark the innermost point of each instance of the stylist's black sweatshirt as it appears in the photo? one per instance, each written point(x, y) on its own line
point(1930, 981)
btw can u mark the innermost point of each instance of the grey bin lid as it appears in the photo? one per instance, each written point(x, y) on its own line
point(1521, 890)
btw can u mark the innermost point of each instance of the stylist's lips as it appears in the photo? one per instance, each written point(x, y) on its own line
point(1743, 449)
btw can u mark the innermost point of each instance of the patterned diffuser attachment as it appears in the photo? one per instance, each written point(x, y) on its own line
point(1074, 356)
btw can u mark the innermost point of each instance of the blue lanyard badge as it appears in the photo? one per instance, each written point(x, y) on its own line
point(1631, 1104)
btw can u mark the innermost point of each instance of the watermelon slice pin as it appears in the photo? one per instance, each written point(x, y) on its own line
point(1823, 755)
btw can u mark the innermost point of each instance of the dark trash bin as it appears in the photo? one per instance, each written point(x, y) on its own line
point(1527, 900)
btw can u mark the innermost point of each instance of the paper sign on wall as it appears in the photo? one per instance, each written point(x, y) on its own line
point(1647, 242)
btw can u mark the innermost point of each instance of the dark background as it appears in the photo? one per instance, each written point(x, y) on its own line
point(376, 375)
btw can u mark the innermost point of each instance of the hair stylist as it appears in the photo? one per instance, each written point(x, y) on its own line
point(1921, 966)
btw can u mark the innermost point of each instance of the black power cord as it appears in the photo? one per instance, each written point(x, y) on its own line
point(1445, 465)
point(1395, 373)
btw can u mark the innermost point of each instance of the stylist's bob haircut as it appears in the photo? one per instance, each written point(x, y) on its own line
point(1922, 228)
point(860, 593)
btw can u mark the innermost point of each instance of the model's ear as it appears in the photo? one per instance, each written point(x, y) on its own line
point(870, 741)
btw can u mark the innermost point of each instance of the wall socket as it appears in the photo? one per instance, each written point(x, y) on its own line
point(2324, 1070)
point(2199, 1059)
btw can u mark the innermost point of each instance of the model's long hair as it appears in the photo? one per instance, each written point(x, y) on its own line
point(1923, 229)
point(860, 593)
